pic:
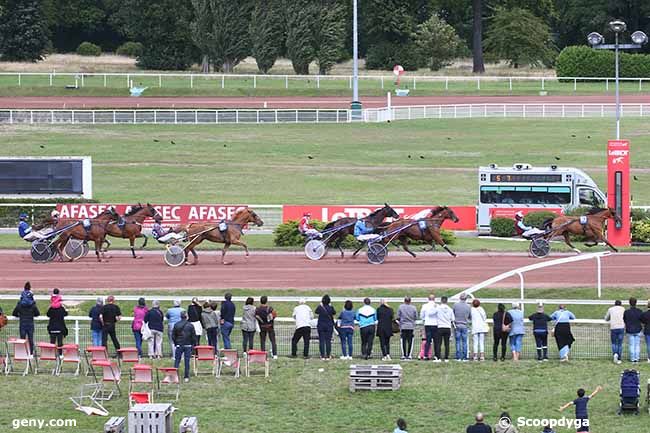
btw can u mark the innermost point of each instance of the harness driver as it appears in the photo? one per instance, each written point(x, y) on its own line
point(363, 231)
point(165, 235)
point(25, 230)
point(306, 229)
point(526, 232)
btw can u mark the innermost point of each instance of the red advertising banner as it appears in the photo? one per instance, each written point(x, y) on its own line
point(618, 191)
point(465, 214)
point(171, 213)
point(509, 212)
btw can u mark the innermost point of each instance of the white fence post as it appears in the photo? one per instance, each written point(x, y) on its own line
point(582, 110)
point(50, 80)
point(76, 332)
point(254, 81)
point(415, 86)
point(286, 81)
point(191, 81)
point(382, 81)
point(350, 82)
point(128, 81)
point(575, 84)
point(606, 84)
point(542, 83)
point(318, 81)
point(446, 83)
point(510, 82)
point(598, 269)
point(640, 84)
point(478, 84)
point(19, 80)
point(159, 80)
point(104, 80)
point(223, 81)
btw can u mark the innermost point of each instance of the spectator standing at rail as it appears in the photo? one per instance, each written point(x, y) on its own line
point(227, 319)
point(633, 328)
point(194, 317)
point(346, 329)
point(540, 331)
point(95, 323)
point(26, 310)
point(428, 314)
point(109, 316)
point(517, 331)
point(184, 338)
point(445, 322)
point(265, 316)
point(173, 316)
point(248, 324)
point(210, 322)
point(303, 316)
point(479, 426)
point(462, 312)
point(616, 329)
point(56, 325)
point(139, 313)
point(385, 317)
point(645, 319)
point(501, 328)
point(480, 329)
point(325, 327)
point(154, 319)
point(563, 336)
point(367, 318)
point(407, 315)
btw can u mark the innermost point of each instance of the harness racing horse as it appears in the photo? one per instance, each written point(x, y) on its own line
point(198, 232)
point(592, 230)
point(96, 232)
point(129, 226)
point(426, 229)
point(347, 225)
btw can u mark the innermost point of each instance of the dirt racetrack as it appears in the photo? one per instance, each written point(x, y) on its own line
point(293, 270)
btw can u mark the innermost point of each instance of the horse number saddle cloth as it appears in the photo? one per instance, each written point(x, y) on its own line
point(86, 224)
point(422, 224)
point(583, 220)
point(121, 222)
point(223, 226)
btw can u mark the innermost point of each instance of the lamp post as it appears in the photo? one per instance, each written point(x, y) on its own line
point(356, 104)
point(596, 41)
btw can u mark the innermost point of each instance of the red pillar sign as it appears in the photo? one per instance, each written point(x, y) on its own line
point(618, 191)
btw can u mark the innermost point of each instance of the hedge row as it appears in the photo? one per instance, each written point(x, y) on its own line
point(287, 235)
point(582, 61)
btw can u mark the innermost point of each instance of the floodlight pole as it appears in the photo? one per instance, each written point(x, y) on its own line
point(356, 104)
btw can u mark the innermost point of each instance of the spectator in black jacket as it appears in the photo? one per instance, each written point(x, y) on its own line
point(385, 317)
point(154, 319)
point(500, 318)
point(184, 339)
point(633, 328)
point(227, 319)
point(194, 317)
point(540, 331)
point(95, 323)
point(56, 325)
point(26, 313)
point(480, 426)
point(109, 316)
point(645, 319)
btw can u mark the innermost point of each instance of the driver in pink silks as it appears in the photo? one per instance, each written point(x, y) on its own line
point(522, 229)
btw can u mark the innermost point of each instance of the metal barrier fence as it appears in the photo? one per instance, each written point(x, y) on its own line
point(592, 339)
point(174, 117)
point(522, 111)
point(254, 81)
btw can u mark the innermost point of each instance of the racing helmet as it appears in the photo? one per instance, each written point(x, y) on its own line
point(307, 214)
point(55, 213)
point(23, 216)
point(519, 215)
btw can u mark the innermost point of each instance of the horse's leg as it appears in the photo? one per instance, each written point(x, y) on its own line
point(241, 244)
point(404, 242)
point(361, 245)
point(339, 240)
point(604, 239)
point(146, 238)
point(190, 247)
point(567, 240)
point(223, 254)
point(132, 242)
point(98, 247)
point(438, 239)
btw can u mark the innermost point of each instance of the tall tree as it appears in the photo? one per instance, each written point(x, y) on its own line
point(230, 42)
point(301, 18)
point(267, 33)
point(477, 37)
point(329, 35)
point(23, 31)
point(438, 42)
point(201, 28)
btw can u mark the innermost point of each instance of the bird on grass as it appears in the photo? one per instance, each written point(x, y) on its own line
point(409, 156)
point(310, 157)
point(557, 158)
point(635, 178)
point(172, 142)
point(573, 135)
point(421, 157)
point(42, 147)
point(156, 141)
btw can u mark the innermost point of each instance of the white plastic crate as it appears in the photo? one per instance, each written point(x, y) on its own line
point(151, 418)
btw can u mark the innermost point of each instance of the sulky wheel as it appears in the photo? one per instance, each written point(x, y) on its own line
point(42, 251)
point(377, 253)
point(174, 255)
point(315, 249)
point(74, 249)
point(539, 248)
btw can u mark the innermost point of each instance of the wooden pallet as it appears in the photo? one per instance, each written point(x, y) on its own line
point(375, 377)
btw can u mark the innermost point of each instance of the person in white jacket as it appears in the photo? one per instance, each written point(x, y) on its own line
point(428, 314)
point(479, 329)
point(446, 319)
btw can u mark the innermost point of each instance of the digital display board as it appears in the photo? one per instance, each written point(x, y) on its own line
point(526, 178)
point(44, 176)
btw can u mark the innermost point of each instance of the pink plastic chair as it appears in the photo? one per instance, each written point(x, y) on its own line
point(204, 354)
point(95, 354)
point(47, 352)
point(170, 380)
point(110, 374)
point(128, 355)
point(70, 355)
point(141, 374)
point(257, 357)
point(21, 353)
point(228, 358)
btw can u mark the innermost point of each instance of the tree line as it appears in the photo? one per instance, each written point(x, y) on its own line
point(219, 34)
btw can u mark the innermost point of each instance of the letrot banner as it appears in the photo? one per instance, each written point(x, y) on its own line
point(466, 214)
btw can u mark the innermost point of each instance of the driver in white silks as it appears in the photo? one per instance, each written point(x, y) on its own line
point(164, 235)
point(522, 229)
point(363, 231)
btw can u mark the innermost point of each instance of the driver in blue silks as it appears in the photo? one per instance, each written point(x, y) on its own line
point(25, 230)
point(363, 231)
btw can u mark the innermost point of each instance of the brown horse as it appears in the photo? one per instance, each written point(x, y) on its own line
point(426, 229)
point(95, 232)
point(593, 230)
point(198, 232)
point(347, 225)
point(130, 226)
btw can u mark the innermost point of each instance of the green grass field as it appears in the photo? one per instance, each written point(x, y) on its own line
point(266, 85)
point(313, 396)
point(352, 163)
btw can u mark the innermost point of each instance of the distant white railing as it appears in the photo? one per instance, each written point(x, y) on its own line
point(530, 110)
point(287, 81)
point(266, 116)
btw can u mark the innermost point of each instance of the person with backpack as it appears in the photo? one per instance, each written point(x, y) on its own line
point(184, 340)
point(26, 310)
point(265, 316)
point(154, 319)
